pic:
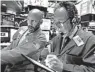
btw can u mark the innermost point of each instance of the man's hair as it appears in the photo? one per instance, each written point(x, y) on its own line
point(70, 8)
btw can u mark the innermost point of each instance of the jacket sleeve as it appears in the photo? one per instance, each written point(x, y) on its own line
point(53, 43)
point(88, 59)
point(8, 47)
point(14, 55)
point(14, 37)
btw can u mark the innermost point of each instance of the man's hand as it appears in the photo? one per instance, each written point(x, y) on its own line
point(54, 63)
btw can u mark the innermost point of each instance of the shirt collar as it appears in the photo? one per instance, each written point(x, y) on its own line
point(71, 34)
point(38, 30)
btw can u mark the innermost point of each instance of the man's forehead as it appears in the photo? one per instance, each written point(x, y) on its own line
point(35, 14)
point(60, 12)
point(33, 18)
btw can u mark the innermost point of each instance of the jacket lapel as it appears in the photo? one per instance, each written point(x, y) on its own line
point(72, 43)
point(68, 46)
point(58, 45)
point(16, 38)
point(55, 46)
point(20, 34)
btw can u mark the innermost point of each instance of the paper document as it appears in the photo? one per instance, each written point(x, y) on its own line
point(37, 63)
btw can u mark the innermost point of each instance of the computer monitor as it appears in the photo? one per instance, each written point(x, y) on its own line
point(6, 34)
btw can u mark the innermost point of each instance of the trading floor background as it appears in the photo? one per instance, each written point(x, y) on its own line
point(14, 15)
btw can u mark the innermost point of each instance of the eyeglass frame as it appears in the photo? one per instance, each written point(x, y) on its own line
point(60, 24)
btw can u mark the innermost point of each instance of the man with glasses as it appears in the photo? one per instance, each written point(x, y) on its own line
point(28, 40)
point(73, 50)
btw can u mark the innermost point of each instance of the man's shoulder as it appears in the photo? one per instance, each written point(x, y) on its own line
point(86, 35)
point(91, 37)
point(20, 31)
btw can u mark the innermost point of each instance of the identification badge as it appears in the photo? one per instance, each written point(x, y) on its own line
point(78, 40)
point(21, 32)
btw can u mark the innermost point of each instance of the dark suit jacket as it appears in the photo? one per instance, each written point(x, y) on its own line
point(29, 46)
point(77, 58)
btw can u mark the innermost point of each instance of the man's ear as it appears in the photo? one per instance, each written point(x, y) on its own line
point(41, 21)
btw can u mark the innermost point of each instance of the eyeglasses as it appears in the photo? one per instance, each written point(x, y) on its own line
point(59, 23)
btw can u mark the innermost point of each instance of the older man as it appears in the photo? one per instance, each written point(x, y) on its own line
point(28, 40)
point(75, 50)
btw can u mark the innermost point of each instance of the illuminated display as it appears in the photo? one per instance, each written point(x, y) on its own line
point(3, 34)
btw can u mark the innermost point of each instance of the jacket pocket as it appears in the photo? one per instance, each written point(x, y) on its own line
point(73, 59)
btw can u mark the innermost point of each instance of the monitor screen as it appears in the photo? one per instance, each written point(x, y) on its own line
point(8, 19)
point(5, 34)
